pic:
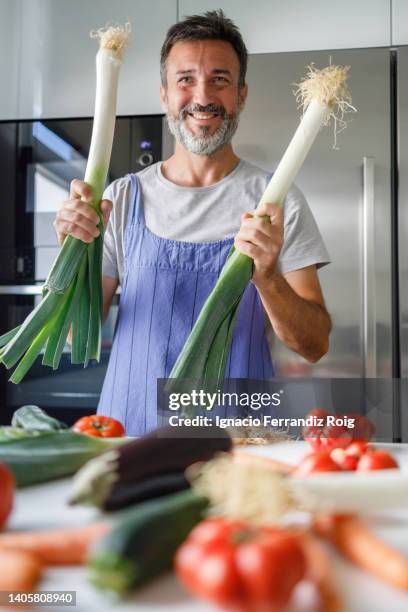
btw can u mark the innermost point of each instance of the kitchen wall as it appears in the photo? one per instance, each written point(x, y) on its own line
point(47, 57)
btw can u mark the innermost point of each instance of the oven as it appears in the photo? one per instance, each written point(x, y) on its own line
point(40, 158)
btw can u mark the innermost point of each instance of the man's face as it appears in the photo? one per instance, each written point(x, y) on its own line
point(201, 96)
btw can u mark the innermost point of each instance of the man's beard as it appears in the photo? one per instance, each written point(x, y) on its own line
point(204, 144)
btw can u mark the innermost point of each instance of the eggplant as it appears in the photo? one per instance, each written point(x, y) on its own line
point(147, 467)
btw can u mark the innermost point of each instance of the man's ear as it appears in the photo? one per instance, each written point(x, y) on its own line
point(242, 96)
point(163, 98)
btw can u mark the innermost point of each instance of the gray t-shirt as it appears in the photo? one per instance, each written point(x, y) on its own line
point(202, 214)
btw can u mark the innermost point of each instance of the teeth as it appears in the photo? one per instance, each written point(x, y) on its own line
point(203, 116)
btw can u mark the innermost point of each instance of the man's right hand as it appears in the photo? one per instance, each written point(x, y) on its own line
point(76, 217)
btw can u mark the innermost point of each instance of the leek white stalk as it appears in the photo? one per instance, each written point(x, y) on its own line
point(295, 154)
point(73, 289)
point(108, 64)
point(323, 95)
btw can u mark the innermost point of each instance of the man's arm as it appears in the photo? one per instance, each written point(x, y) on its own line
point(294, 302)
point(295, 307)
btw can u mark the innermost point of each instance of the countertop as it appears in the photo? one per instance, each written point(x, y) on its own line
point(44, 506)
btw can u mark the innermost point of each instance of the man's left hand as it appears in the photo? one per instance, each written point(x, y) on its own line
point(261, 239)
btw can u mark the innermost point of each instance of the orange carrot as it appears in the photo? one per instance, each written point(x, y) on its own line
point(319, 572)
point(20, 571)
point(351, 537)
point(261, 460)
point(58, 546)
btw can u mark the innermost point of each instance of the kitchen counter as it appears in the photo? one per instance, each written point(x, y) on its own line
point(44, 506)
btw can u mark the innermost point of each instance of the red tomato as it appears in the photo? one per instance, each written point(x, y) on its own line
point(321, 436)
point(311, 433)
point(376, 460)
point(99, 426)
point(335, 436)
point(363, 428)
point(357, 448)
point(319, 461)
point(6, 493)
point(345, 461)
point(234, 565)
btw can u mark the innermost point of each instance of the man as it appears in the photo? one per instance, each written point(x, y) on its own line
point(172, 226)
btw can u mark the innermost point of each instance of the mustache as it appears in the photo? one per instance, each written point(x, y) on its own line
point(197, 108)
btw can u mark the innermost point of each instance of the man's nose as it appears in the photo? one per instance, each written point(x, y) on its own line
point(203, 93)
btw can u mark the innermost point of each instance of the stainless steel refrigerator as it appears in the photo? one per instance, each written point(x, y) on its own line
point(362, 215)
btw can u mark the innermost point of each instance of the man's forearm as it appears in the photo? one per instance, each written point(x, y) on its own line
point(304, 326)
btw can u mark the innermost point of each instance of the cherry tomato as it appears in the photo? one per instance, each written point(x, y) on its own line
point(237, 566)
point(322, 436)
point(344, 461)
point(99, 426)
point(357, 448)
point(7, 485)
point(319, 461)
point(376, 460)
point(363, 428)
point(311, 433)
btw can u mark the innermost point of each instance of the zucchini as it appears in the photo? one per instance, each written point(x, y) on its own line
point(142, 545)
point(148, 467)
point(42, 456)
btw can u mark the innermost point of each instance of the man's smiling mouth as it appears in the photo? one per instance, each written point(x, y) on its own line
point(203, 116)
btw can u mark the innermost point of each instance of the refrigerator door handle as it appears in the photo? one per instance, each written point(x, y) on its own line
point(369, 271)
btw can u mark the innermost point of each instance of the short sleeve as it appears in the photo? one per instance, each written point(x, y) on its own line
point(303, 244)
point(109, 259)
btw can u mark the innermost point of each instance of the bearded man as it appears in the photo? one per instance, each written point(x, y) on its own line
point(172, 225)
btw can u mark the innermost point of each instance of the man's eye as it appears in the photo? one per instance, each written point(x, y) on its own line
point(185, 79)
point(220, 79)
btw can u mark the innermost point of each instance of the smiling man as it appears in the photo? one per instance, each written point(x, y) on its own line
point(172, 226)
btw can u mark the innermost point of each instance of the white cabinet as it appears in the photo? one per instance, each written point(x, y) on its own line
point(399, 22)
point(57, 58)
point(10, 11)
point(300, 25)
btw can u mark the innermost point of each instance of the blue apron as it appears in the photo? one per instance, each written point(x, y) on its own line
point(166, 283)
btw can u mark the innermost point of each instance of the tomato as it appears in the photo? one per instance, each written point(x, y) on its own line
point(319, 461)
point(311, 433)
point(7, 485)
point(99, 426)
point(363, 428)
point(321, 436)
point(345, 461)
point(376, 460)
point(357, 448)
point(235, 565)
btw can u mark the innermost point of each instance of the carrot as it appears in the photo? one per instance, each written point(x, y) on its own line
point(351, 537)
point(20, 571)
point(55, 547)
point(319, 572)
point(261, 460)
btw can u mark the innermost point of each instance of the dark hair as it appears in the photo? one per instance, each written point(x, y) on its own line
point(213, 25)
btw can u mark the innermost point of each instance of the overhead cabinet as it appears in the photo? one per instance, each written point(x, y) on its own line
point(399, 17)
point(57, 55)
point(9, 57)
point(273, 26)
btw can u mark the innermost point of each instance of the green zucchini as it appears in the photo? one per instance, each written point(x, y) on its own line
point(42, 456)
point(16, 433)
point(142, 545)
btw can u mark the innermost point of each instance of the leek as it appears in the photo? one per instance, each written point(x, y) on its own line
point(72, 293)
point(323, 95)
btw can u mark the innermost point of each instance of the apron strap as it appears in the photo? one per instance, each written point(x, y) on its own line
point(135, 215)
